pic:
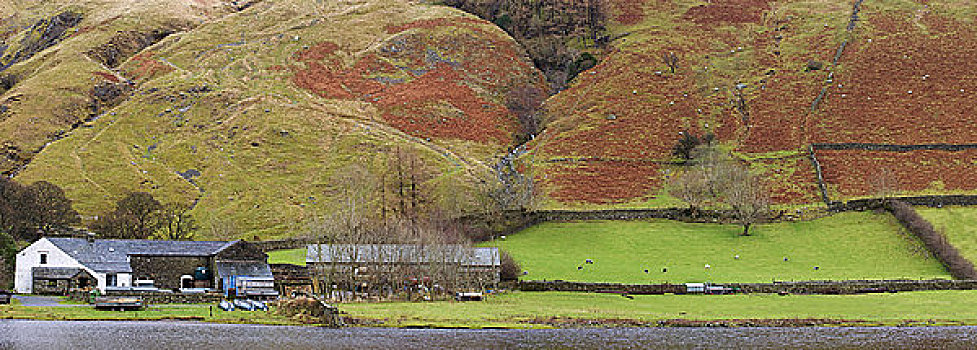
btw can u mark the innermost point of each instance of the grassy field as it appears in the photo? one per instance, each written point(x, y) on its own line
point(957, 223)
point(546, 309)
point(518, 308)
point(287, 256)
point(844, 246)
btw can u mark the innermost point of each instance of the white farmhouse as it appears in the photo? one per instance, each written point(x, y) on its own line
point(54, 269)
point(56, 265)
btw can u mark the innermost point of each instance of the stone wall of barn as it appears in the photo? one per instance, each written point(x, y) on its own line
point(166, 271)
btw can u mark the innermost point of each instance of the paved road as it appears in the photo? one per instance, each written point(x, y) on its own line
point(35, 300)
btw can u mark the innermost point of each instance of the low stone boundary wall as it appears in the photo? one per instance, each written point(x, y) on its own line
point(852, 146)
point(805, 287)
point(927, 201)
point(158, 298)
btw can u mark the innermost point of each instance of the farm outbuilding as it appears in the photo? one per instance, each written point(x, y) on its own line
point(393, 267)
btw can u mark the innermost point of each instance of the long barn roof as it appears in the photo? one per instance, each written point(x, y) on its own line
point(112, 255)
point(402, 253)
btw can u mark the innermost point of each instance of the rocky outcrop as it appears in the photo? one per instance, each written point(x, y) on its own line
point(42, 35)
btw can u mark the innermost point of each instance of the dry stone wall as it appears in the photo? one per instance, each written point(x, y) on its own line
point(806, 287)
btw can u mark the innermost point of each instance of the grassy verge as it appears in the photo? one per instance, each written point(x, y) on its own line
point(844, 246)
point(542, 309)
point(191, 312)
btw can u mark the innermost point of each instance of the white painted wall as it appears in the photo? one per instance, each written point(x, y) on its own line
point(125, 280)
point(30, 258)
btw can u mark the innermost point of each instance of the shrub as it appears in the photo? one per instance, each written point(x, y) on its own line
point(686, 146)
point(510, 268)
point(958, 266)
point(8, 252)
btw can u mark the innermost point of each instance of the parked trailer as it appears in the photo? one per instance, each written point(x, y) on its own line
point(250, 287)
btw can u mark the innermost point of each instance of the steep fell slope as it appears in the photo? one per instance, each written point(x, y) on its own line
point(760, 75)
point(253, 115)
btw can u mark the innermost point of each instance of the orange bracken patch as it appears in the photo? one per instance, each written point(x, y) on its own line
point(603, 182)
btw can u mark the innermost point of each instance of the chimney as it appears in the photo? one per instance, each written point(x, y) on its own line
point(91, 238)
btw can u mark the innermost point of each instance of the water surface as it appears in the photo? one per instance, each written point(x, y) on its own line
point(17, 334)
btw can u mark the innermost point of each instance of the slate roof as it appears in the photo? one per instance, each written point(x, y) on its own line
point(55, 273)
point(111, 255)
point(402, 253)
point(243, 268)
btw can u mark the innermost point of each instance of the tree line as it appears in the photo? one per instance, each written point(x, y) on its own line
point(140, 216)
point(29, 212)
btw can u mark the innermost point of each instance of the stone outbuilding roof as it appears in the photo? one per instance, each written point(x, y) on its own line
point(112, 255)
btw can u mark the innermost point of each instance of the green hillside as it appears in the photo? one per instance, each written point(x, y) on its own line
point(252, 115)
point(844, 246)
point(957, 224)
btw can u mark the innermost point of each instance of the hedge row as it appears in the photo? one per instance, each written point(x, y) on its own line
point(958, 266)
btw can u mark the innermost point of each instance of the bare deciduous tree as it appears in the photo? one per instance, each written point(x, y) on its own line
point(747, 197)
point(135, 217)
point(671, 60)
point(741, 105)
point(176, 223)
point(715, 178)
point(692, 188)
point(51, 210)
point(885, 183)
point(222, 228)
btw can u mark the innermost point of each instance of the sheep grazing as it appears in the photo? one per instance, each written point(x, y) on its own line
point(646, 270)
point(816, 268)
point(737, 257)
point(579, 268)
point(665, 269)
point(708, 267)
point(785, 258)
point(589, 261)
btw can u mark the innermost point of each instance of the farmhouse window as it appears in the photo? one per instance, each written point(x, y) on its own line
point(43, 258)
point(111, 280)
